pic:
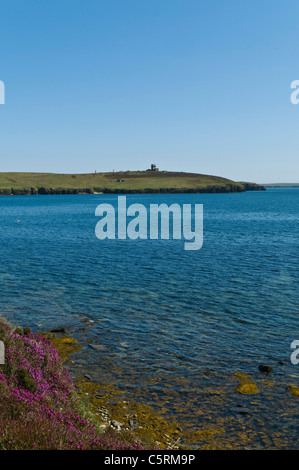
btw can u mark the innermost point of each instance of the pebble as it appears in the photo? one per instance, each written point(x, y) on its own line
point(116, 424)
point(133, 423)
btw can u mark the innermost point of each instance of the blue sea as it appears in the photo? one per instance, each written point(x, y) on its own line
point(169, 325)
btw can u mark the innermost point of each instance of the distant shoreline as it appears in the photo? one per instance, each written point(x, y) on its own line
point(127, 182)
point(53, 192)
point(282, 185)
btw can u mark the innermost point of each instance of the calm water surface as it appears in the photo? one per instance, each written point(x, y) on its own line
point(161, 314)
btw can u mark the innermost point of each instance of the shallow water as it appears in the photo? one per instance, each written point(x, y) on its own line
point(164, 316)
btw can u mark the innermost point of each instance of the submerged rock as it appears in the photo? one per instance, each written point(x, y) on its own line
point(265, 369)
point(57, 330)
point(241, 410)
point(294, 390)
point(96, 347)
point(247, 388)
point(246, 385)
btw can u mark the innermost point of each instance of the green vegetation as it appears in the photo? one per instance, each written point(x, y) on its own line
point(118, 182)
point(40, 407)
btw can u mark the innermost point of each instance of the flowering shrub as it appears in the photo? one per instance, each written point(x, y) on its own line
point(39, 407)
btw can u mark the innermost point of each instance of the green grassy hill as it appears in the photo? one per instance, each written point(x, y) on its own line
point(118, 182)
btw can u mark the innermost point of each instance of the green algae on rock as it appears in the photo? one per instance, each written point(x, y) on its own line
point(65, 345)
point(246, 385)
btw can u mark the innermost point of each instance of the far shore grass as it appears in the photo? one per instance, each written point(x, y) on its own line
point(17, 183)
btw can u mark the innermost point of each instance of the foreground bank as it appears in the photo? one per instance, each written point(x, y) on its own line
point(40, 407)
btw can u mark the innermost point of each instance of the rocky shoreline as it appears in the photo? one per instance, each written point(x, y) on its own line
point(236, 188)
point(244, 411)
point(233, 415)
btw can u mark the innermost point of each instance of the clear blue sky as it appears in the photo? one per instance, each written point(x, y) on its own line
point(189, 85)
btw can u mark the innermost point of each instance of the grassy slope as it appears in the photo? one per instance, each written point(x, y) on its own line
point(132, 181)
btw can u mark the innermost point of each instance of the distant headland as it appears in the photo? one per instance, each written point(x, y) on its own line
point(120, 182)
point(281, 185)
